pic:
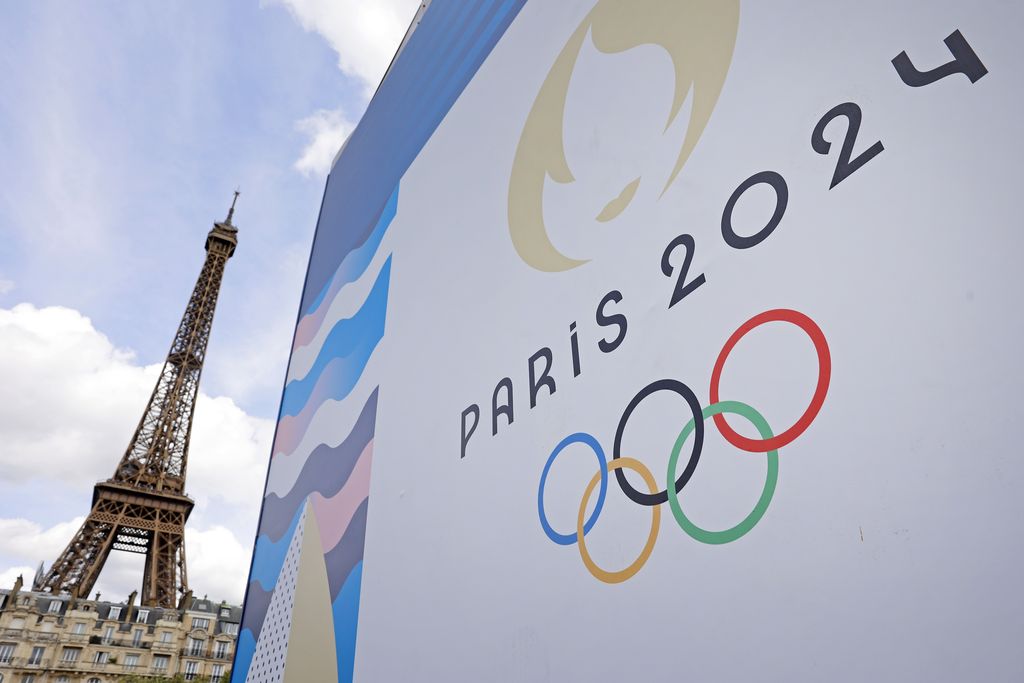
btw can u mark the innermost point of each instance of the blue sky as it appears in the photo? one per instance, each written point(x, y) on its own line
point(127, 129)
point(124, 128)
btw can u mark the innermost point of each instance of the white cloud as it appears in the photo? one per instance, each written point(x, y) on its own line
point(218, 563)
point(22, 540)
point(67, 394)
point(364, 34)
point(7, 578)
point(327, 131)
point(228, 454)
point(26, 540)
point(72, 400)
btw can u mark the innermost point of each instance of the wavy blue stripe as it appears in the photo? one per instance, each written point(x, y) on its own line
point(390, 135)
point(464, 22)
point(244, 651)
point(356, 262)
point(469, 66)
point(462, 60)
point(346, 620)
point(352, 339)
point(269, 556)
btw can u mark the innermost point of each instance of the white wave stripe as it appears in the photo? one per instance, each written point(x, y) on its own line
point(345, 304)
point(331, 424)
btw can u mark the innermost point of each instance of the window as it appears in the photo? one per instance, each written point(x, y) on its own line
point(114, 613)
point(6, 652)
point(71, 654)
point(54, 607)
point(137, 637)
point(229, 628)
point(198, 622)
point(95, 680)
point(143, 616)
point(62, 679)
point(165, 636)
point(101, 657)
point(160, 662)
point(195, 646)
point(28, 678)
point(131, 661)
point(191, 670)
point(37, 655)
point(220, 649)
point(218, 672)
point(225, 613)
point(79, 628)
point(108, 635)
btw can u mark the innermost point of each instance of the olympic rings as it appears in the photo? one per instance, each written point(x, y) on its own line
point(751, 520)
point(578, 437)
point(658, 497)
point(768, 444)
point(641, 560)
point(817, 400)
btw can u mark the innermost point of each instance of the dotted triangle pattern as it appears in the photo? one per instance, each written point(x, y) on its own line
point(272, 647)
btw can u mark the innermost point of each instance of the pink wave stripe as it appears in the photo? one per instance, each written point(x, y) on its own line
point(290, 431)
point(310, 324)
point(334, 514)
point(292, 428)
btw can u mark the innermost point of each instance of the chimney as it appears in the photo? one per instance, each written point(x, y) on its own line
point(131, 607)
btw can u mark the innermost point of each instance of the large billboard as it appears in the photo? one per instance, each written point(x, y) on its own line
point(662, 339)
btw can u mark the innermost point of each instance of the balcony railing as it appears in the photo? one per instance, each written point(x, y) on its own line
point(86, 665)
point(120, 642)
point(26, 662)
point(45, 636)
point(66, 663)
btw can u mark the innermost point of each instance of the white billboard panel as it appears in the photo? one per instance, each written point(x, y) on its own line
point(672, 338)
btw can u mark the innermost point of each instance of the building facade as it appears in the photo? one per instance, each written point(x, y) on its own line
point(46, 638)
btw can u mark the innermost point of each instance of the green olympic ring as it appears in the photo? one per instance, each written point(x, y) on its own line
point(751, 520)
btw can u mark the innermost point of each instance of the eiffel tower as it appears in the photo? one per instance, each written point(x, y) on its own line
point(143, 507)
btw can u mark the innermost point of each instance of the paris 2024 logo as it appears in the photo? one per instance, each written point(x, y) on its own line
point(699, 37)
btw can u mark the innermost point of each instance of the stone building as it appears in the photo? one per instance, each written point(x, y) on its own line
point(46, 638)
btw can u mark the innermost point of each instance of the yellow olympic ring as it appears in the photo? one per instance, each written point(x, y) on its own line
point(639, 562)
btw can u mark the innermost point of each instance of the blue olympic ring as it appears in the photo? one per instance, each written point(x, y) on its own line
point(584, 438)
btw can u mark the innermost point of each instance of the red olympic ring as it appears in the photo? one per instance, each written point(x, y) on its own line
point(824, 375)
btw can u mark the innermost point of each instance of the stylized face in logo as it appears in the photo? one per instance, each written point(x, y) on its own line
point(698, 35)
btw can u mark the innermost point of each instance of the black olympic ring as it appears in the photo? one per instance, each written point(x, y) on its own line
point(650, 499)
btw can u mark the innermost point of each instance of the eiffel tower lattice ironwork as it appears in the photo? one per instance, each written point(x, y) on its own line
point(143, 507)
